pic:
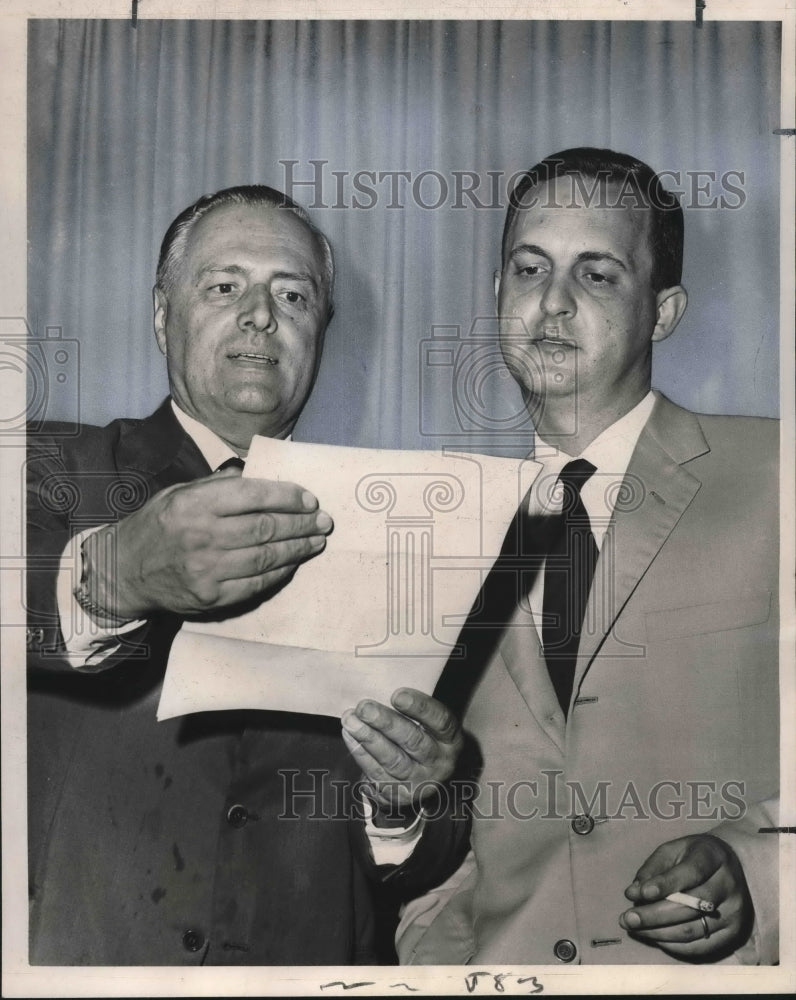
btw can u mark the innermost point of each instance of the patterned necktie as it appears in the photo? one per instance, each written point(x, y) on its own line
point(569, 570)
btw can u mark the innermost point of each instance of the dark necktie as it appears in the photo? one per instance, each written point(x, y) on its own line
point(571, 555)
point(231, 463)
point(531, 541)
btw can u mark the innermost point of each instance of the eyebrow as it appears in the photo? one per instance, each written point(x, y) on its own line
point(237, 269)
point(583, 256)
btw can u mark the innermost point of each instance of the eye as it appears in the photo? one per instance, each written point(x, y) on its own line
point(291, 297)
point(223, 288)
point(531, 270)
point(597, 278)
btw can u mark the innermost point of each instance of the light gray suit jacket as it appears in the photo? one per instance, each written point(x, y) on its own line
point(673, 725)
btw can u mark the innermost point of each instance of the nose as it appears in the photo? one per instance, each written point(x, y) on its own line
point(256, 311)
point(557, 298)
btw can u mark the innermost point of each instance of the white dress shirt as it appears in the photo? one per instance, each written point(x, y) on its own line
point(610, 454)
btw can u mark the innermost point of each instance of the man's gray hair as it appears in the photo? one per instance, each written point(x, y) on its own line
point(172, 249)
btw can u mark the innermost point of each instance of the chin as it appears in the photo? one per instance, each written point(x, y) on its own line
point(253, 401)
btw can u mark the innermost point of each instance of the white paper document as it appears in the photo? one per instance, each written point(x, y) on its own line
point(415, 533)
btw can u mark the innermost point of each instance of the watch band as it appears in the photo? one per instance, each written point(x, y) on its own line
point(82, 592)
point(83, 597)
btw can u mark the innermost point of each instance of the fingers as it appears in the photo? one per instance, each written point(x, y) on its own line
point(654, 916)
point(403, 759)
point(384, 787)
point(246, 530)
point(244, 573)
point(433, 736)
point(677, 866)
point(660, 861)
point(227, 493)
point(681, 932)
point(435, 717)
point(395, 744)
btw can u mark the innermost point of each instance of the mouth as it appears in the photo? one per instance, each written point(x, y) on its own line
point(253, 357)
point(552, 335)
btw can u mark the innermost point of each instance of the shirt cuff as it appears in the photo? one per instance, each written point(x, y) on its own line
point(392, 845)
point(87, 644)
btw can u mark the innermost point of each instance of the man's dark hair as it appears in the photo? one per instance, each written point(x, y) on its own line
point(172, 249)
point(639, 186)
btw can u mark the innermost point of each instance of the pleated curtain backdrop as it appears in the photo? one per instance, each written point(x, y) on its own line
point(129, 125)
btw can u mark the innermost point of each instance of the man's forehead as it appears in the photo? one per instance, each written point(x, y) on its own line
point(255, 227)
point(598, 213)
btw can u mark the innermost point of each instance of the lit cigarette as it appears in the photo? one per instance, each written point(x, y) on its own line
point(703, 905)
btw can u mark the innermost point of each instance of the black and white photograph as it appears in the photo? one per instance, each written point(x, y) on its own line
point(397, 462)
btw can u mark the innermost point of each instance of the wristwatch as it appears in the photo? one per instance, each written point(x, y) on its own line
point(83, 597)
point(82, 592)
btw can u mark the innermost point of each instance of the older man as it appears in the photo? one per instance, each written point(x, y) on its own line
point(172, 842)
point(621, 679)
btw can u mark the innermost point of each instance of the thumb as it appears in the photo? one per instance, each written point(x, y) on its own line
point(225, 471)
point(660, 861)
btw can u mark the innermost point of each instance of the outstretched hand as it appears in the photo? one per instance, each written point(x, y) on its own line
point(207, 544)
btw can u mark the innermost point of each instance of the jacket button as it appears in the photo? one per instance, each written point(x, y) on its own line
point(564, 950)
point(193, 940)
point(237, 816)
point(582, 824)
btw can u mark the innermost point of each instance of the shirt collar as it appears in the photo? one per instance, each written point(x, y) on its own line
point(213, 449)
point(610, 453)
point(612, 449)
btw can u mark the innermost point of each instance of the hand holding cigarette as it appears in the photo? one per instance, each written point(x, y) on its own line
point(691, 899)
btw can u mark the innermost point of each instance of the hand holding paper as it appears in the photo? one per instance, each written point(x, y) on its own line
point(403, 753)
point(208, 544)
point(415, 534)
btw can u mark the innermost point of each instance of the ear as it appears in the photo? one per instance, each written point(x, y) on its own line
point(671, 303)
point(496, 279)
point(160, 303)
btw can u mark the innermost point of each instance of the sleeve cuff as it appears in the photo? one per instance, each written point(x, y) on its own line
point(391, 845)
point(758, 854)
point(87, 644)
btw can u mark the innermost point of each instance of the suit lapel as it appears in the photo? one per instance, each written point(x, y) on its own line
point(159, 448)
point(523, 656)
point(520, 647)
point(658, 491)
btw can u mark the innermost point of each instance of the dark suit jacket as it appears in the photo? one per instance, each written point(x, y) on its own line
point(161, 842)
